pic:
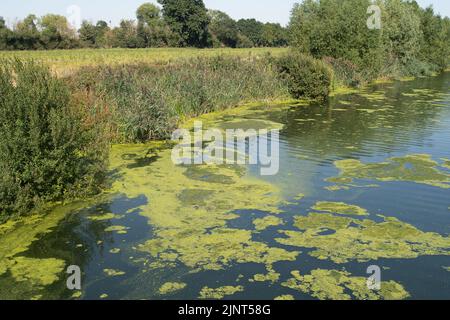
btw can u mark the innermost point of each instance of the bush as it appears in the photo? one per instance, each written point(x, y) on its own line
point(345, 73)
point(47, 153)
point(306, 77)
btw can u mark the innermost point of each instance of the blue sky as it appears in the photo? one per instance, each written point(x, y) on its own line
point(114, 10)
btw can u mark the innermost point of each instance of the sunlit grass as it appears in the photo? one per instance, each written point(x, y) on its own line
point(66, 61)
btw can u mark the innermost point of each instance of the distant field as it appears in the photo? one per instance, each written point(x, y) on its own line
point(65, 61)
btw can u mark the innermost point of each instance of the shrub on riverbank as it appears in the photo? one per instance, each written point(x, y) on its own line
point(305, 76)
point(149, 101)
point(47, 151)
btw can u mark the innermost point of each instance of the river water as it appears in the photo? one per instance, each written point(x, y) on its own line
point(364, 181)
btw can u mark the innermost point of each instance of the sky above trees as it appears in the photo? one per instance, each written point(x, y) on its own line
point(115, 10)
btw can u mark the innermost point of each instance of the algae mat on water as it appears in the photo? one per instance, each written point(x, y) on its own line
point(417, 168)
point(195, 233)
point(362, 240)
point(341, 285)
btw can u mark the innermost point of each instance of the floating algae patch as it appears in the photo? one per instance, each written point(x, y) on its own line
point(417, 168)
point(113, 272)
point(171, 287)
point(219, 293)
point(104, 217)
point(446, 268)
point(39, 272)
point(118, 229)
point(249, 124)
point(285, 297)
point(266, 222)
point(362, 240)
point(189, 208)
point(341, 285)
point(446, 163)
point(340, 208)
point(26, 277)
point(271, 276)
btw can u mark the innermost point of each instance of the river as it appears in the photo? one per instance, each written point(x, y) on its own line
point(364, 181)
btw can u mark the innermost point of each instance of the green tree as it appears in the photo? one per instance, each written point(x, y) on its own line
point(26, 34)
point(151, 29)
point(5, 35)
point(274, 35)
point(56, 32)
point(337, 29)
point(252, 29)
point(188, 19)
point(125, 36)
point(223, 28)
point(88, 34)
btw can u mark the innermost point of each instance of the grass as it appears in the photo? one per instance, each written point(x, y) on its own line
point(65, 62)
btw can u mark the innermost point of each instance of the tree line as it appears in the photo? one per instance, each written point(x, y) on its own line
point(176, 23)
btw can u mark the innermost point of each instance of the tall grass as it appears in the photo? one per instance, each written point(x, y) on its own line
point(149, 101)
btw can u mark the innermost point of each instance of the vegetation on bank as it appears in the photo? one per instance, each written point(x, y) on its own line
point(411, 41)
point(49, 149)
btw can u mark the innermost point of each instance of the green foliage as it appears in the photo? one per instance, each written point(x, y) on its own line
point(56, 32)
point(223, 28)
point(411, 41)
point(149, 101)
point(306, 77)
point(188, 19)
point(184, 23)
point(46, 152)
point(252, 29)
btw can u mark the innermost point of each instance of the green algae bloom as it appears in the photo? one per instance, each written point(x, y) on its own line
point(38, 272)
point(189, 208)
point(271, 276)
point(219, 293)
point(340, 208)
point(417, 168)
point(344, 239)
point(266, 222)
point(114, 251)
point(118, 229)
point(104, 217)
point(446, 268)
point(113, 273)
point(285, 297)
point(171, 287)
point(341, 285)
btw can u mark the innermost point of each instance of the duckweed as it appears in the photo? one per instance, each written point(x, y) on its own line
point(219, 293)
point(341, 285)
